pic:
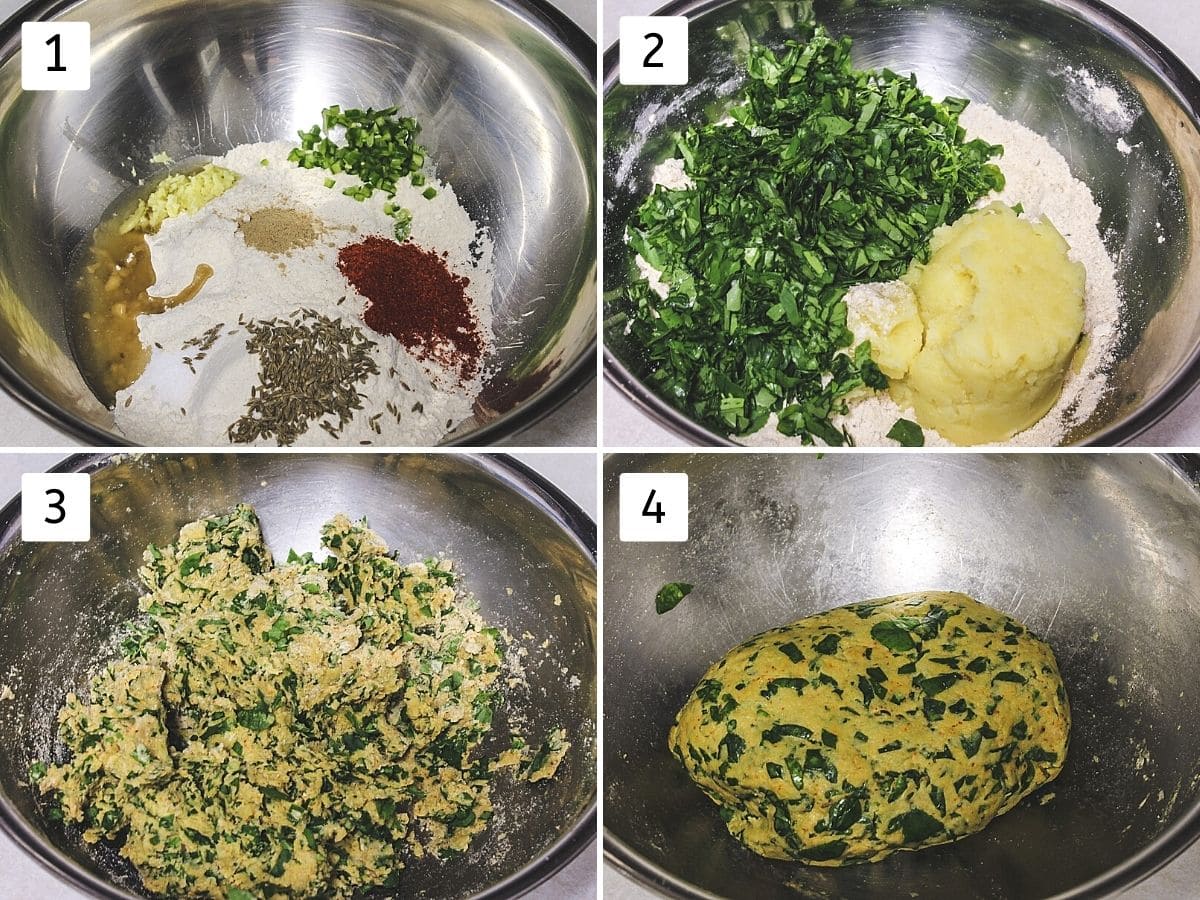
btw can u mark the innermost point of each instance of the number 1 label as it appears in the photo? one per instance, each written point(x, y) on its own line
point(654, 506)
point(653, 50)
point(56, 56)
point(56, 507)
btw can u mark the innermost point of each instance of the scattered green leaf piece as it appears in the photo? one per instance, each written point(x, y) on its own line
point(907, 433)
point(832, 850)
point(844, 814)
point(670, 594)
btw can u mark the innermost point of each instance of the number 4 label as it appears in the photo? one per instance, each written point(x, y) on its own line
point(56, 56)
point(56, 507)
point(654, 506)
point(653, 50)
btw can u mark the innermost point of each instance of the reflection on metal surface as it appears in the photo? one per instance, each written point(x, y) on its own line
point(503, 526)
point(503, 89)
point(1096, 553)
point(1014, 56)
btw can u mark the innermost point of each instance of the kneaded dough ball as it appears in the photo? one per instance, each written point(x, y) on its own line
point(888, 725)
point(1002, 307)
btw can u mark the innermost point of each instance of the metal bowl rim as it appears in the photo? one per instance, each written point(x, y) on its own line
point(1152, 53)
point(509, 472)
point(578, 48)
point(1150, 859)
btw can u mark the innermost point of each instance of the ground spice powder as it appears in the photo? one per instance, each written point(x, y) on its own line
point(278, 230)
point(416, 299)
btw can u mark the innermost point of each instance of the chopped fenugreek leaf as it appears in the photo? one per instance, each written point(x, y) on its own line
point(669, 595)
point(907, 433)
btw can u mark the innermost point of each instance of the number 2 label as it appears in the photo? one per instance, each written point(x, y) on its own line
point(654, 506)
point(56, 507)
point(657, 39)
point(653, 50)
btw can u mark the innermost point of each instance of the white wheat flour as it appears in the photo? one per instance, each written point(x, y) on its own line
point(1098, 101)
point(1038, 177)
point(169, 405)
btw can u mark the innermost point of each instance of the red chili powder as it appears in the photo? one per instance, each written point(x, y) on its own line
point(417, 300)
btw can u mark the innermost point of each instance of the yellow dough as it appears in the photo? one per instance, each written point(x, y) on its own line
point(1002, 308)
point(888, 725)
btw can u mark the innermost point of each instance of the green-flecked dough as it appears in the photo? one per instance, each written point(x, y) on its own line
point(892, 724)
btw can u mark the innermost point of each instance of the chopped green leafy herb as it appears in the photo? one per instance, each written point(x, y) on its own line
point(892, 635)
point(827, 644)
point(669, 595)
point(917, 826)
point(907, 433)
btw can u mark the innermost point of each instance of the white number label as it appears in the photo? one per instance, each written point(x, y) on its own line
point(653, 50)
point(654, 506)
point(56, 56)
point(56, 507)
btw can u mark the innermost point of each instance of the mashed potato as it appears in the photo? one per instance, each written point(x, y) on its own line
point(886, 314)
point(1000, 305)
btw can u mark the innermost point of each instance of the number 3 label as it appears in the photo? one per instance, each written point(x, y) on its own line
point(654, 506)
point(56, 507)
point(56, 56)
point(653, 50)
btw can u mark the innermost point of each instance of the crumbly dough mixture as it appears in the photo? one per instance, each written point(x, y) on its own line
point(289, 731)
point(888, 725)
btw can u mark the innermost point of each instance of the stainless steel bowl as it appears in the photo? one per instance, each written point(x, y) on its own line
point(505, 93)
point(1098, 554)
point(1010, 55)
point(504, 526)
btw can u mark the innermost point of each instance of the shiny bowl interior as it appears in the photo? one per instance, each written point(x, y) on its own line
point(504, 527)
point(1012, 56)
point(505, 93)
point(1098, 554)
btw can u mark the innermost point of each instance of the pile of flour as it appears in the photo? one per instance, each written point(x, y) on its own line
point(170, 404)
point(1038, 177)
